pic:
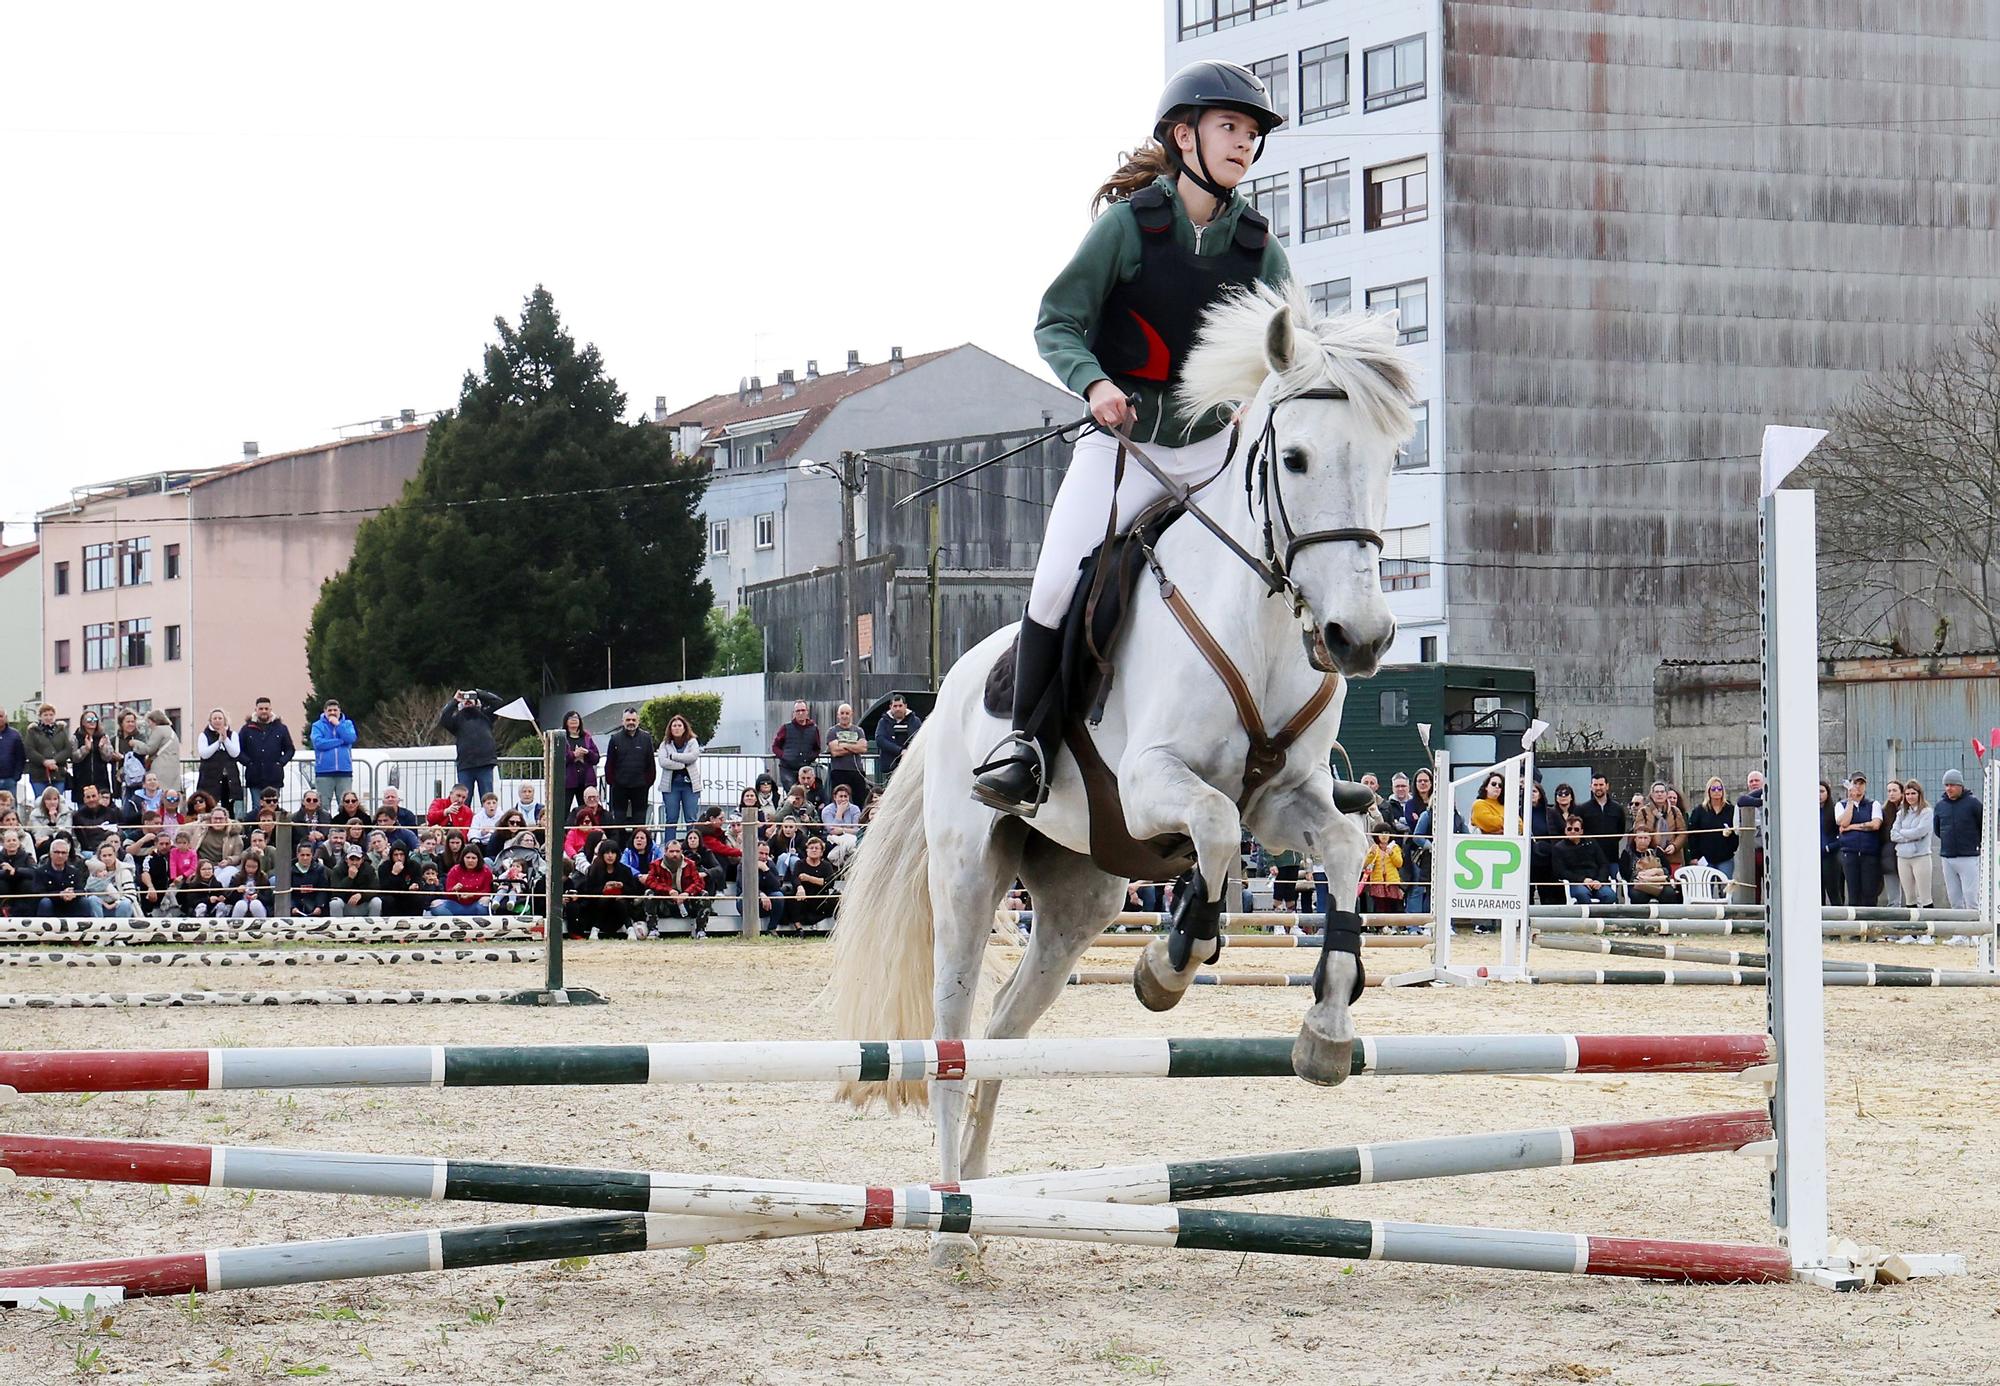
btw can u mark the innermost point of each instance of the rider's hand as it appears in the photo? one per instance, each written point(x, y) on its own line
point(1108, 405)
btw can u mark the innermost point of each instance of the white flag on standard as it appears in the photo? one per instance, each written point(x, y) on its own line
point(518, 710)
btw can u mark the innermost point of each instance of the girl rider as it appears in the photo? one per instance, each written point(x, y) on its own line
point(1118, 321)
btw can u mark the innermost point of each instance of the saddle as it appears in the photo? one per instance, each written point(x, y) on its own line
point(1108, 579)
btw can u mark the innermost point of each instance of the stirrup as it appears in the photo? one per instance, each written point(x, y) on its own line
point(1017, 748)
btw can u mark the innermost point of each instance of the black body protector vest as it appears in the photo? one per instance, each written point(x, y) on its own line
point(1148, 325)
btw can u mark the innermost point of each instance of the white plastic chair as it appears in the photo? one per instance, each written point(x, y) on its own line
point(1701, 884)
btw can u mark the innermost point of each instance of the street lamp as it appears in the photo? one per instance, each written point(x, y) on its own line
point(850, 473)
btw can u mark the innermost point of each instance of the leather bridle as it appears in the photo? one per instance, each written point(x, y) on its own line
point(1261, 485)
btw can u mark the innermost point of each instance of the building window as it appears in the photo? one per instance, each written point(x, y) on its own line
point(1411, 303)
point(62, 579)
point(1272, 197)
point(1327, 201)
point(1406, 559)
point(62, 656)
point(767, 530)
point(135, 562)
point(1417, 452)
point(1395, 708)
point(1398, 194)
point(1331, 296)
point(135, 642)
point(107, 713)
point(1323, 82)
point(1393, 74)
point(1200, 17)
point(718, 536)
point(1276, 75)
point(174, 719)
point(98, 573)
point(100, 647)
point(1427, 649)
point(173, 639)
point(173, 562)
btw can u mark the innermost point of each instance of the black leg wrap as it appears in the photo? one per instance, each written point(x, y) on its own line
point(1342, 935)
point(1194, 918)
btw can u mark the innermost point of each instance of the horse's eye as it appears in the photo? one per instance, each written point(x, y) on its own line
point(1295, 460)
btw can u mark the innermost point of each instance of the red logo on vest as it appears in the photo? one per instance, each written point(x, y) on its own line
point(1158, 362)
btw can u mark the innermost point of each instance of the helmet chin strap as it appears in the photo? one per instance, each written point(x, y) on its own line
point(1201, 179)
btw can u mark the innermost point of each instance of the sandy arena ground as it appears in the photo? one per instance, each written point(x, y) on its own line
point(1914, 1148)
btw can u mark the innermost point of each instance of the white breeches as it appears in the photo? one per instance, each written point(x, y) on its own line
point(1083, 505)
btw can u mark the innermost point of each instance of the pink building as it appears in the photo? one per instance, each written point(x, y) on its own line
point(192, 590)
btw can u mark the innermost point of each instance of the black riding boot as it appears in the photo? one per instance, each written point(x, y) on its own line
point(1015, 778)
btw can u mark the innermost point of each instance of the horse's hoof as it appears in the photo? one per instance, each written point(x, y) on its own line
point(1322, 1058)
point(1157, 985)
point(953, 1251)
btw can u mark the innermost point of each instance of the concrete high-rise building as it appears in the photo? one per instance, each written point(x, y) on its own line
point(1622, 239)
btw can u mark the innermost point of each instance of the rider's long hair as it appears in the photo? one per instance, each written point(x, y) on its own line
point(1141, 166)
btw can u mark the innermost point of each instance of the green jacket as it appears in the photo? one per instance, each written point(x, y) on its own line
point(48, 743)
point(1109, 256)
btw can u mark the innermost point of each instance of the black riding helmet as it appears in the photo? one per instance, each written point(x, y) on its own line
point(1199, 86)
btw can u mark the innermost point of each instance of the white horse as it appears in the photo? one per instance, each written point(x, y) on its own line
point(1330, 397)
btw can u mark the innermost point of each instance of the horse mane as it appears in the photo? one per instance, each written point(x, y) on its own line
point(1356, 353)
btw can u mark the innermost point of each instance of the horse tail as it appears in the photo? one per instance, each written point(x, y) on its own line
point(880, 984)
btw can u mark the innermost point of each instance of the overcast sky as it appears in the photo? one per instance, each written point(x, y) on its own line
point(234, 222)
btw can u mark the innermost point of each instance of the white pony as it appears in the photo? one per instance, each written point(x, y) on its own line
point(911, 940)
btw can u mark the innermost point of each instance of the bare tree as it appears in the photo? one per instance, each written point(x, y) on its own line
point(410, 718)
point(1909, 501)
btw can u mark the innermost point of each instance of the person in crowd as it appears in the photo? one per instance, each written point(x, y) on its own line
point(1832, 884)
point(13, 755)
point(1912, 833)
point(771, 902)
point(49, 819)
point(1489, 810)
point(587, 826)
point(95, 759)
point(1859, 819)
point(796, 744)
point(641, 852)
point(396, 882)
point(1604, 818)
point(809, 784)
point(310, 882)
point(59, 884)
point(258, 844)
point(50, 751)
point(181, 857)
point(895, 729)
point(842, 820)
point(172, 811)
point(675, 889)
point(629, 769)
point(250, 891)
point(1544, 831)
point(795, 803)
point(679, 759)
point(1417, 851)
point(1891, 806)
point(333, 738)
point(378, 848)
point(218, 773)
point(716, 839)
point(18, 869)
point(512, 890)
point(147, 797)
point(152, 874)
point(1960, 821)
point(352, 894)
point(528, 805)
point(787, 840)
point(429, 892)
point(579, 757)
point(393, 831)
point(90, 820)
point(1396, 810)
point(108, 887)
point(160, 744)
point(1381, 875)
point(131, 763)
point(599, 899)
point(469, 717)
point(847, 754)
point(392, 802)
point(202, 895)
point(1711, 836)
point(310, 820)
point(769, 796)
point(1645, 868)
point(694, 846)
point(350, 810)
point(265, 748)
point(1580, 866)
point(486, 817)
point(511, 833)
point(468, 886)
point(454, 810)
point(809, 888)
point(1659, 815)
point(751, 815)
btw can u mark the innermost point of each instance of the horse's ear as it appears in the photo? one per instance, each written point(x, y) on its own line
point(1278, 341)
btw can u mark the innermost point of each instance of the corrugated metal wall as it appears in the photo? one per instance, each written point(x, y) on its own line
point(1919, 727)
point(1622, 287)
